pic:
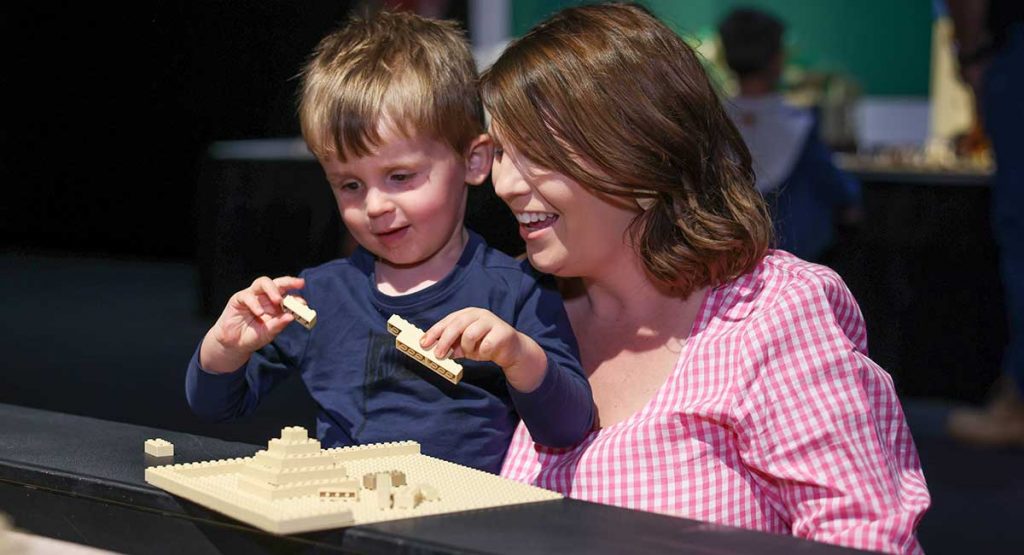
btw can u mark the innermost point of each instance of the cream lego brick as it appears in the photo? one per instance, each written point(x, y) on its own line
point(292, 475)
point(303, 314)
point(266, 490)
point(383, 490)
point(159, 448)
point(407, 340)
point(294, 434)
point(443, 488)
point(346, 491)
point(406, 497)
point(428, 492)
point(278, 446)
point(284, 462)
point(373, 451)
point(394, 477)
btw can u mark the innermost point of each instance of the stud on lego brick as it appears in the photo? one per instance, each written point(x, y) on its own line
point(303, 314)
point(159, 448)
point(407, 340)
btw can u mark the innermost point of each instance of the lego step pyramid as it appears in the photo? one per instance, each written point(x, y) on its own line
point(296, 486)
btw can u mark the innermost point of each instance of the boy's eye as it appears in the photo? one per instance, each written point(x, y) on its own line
point(402, 177)
point(349, 186)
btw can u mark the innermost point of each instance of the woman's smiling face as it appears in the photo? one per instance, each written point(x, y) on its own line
point(569, 230)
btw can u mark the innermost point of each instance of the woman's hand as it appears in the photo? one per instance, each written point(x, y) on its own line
point(479, 334)
point(252, 318)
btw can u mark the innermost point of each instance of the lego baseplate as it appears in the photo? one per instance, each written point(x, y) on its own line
point(294, 486)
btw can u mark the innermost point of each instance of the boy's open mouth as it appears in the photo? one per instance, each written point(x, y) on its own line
point(392, 235)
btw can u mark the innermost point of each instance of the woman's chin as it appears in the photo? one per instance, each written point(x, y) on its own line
point(545, 261)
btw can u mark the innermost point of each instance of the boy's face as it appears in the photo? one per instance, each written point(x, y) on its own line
point(405, 201)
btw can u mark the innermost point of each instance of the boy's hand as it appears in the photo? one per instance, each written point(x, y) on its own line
point(478, 334)
point(252, 318)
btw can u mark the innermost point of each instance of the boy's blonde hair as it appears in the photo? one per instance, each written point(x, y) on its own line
point(396, 68)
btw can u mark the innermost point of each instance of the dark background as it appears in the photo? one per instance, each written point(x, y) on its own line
point(109, 108)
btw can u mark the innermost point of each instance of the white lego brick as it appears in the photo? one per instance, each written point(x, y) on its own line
point(159, 448)
point(303, 314)
point(377, 450)
point(407, 340)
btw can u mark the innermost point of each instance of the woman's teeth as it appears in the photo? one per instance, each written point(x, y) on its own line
point(527, 218)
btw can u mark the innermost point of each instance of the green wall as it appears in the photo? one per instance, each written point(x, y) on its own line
point(885, 45)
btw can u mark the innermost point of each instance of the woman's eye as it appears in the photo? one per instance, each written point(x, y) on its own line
point(498, 152)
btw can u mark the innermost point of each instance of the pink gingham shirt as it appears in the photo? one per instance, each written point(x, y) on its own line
point(774, 419)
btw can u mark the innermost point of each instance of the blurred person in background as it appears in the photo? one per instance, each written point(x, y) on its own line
point(806, 193)
point(990, 50)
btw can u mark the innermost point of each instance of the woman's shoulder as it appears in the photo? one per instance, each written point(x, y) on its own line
point(784, 291)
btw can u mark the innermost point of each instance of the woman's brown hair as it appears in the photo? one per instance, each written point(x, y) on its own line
point(612, 86)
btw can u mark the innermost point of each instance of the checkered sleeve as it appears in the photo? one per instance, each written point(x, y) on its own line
point(820, 424)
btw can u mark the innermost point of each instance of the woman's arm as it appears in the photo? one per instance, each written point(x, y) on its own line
point(821, 426)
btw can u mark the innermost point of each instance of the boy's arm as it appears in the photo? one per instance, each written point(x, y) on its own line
point(225, 396)
point(234, 388)
point(560, 411)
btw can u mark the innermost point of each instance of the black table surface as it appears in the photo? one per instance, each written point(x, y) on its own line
point(76, 459)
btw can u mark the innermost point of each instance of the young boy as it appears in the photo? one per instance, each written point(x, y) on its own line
point(390, 106)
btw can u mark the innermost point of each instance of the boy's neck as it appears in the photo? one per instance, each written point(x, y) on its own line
point(403, 280)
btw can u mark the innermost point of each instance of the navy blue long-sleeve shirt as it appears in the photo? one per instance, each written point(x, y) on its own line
point(367, 391)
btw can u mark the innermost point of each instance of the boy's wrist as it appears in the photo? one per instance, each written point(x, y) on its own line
point(528, 373)
point(215, 358)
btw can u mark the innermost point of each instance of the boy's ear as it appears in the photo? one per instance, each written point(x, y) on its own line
point(479, 155)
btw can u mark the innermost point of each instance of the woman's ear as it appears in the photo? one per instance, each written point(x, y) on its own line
point(479, 155)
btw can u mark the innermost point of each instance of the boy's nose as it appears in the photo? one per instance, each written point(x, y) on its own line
point(377, 203)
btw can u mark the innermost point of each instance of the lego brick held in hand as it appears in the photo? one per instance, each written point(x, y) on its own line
point(407, 340)
point(303, 314)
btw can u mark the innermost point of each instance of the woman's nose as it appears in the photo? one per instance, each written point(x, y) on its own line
point(508, 181)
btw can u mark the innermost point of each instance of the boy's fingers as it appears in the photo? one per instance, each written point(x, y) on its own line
point(252, 303)
point(436, 330)
point(286, 283)
point(449, 338)
point(474, 336)
point(268, 306)
point(265, 285)
point(278, 324)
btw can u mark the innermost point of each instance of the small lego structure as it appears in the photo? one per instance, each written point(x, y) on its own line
point(407, 340)
point(159, 448)
point(303, 314)
point(295, 486)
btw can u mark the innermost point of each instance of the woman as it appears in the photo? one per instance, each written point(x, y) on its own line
point(731, 382)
